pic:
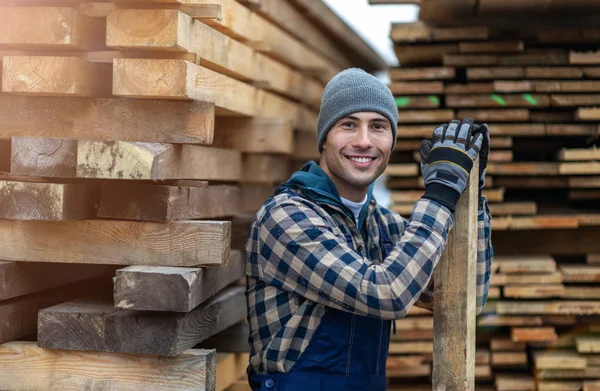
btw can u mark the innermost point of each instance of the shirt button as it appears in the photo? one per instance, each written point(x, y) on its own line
point(269, 383)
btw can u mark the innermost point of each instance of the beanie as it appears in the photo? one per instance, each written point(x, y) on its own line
point(351, 91)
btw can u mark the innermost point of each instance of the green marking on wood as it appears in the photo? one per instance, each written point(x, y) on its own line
point(434, 99)
point(530, 99)
point(402, 101)
point(498, 99)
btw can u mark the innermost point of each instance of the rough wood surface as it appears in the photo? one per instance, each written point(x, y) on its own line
point(24, 366)
point(533, 334)
point(454, 301)
point(104, 119)
point(255, 135)
point(46, 201)
point(97, 325)
point(428, 73)
point(587, 307)
point(183, 243)
point(177, 289)
point(167, 203)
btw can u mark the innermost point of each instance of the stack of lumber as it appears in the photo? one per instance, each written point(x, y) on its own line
point(538, 88)
point(136, 141)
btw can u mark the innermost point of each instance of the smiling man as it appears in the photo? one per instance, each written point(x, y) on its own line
point(328, 269)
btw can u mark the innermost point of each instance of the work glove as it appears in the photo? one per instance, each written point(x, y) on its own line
point(484, 153)
point(447, 159)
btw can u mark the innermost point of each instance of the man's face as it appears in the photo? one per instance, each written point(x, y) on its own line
point(356, 151)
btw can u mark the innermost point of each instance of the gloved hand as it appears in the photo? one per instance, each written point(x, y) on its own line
point(446, 161)
point(484, 153)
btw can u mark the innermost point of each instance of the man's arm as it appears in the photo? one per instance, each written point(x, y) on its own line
point(297, 251)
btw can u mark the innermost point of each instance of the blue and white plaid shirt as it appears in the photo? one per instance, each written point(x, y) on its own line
point(303, 256)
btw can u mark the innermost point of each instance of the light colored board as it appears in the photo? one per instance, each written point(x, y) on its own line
point(230, 367)
point(574, 100)
point(523, 168)
point(425, 116)
point(497, 100)
point(55, 28)
point(255, 135)
point(454, 298)
point(533, 182)
point(509, 86)
point(579, 168)
point(588, 114)
point(186, 243)
point(511, 359)
point(159, 288)
point(122, 160)
point(262, 168)
point(96, 325)
point(571, 130)
point(415, 323)
point(566, 86)
point(584, 58)
point(178, 79)
point(46, 201)
point(559, 360)
point(492, 73)
point(417, 102)
point(143, 202)
point(54, 76)
point(517, 130)
point(506, 345)
point(533, 291)
point(19, 278)
point(533, 334)
point(514, 382)
point(582, 292)
point(411, 347)
point(578, 374)
point(580, 273)
point(498, 320)
point(513, 208)
point(32, 156)
point(525, 264)
point(423, 370)
point(491, 115)
point(549, 72)
point(416, 87)
point(402, 169)
point(107, 119)
point(588, 307)
point(541, 222)
point(24, 366)
point(426, 73)
point(413, 55)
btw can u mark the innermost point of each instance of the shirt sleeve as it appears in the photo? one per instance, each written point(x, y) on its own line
point(485, 255)
point(299, 252)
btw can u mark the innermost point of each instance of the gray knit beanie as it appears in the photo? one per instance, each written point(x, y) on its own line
point(351, 91)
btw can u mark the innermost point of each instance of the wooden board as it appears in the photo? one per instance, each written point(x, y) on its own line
point(24, 366)
point(493, 73)
point(402, 169)
point(262, 168)
point(533, 334)
point(159, 288)
point(525, 264)
point(255, 135)
point(454, 298)
point(428, 73)
point(470, 88)
point(510, 359)
point(491, 47)
point(55, 28)
point(425, 116)
point(416, 87)
point(46, 201)
point(491, 115)
point(105, 328)
point(584, 58)
point(230, 367)
point(185, 243)
point(167, 203)
point(513, 208)
point(534, 291)
point(107, 119)
point(498, 320)
point(178, 79)
point(588, 344)
point(571, 130)
point(417, 102)
point(412, 55)
point(500, 279)
point(588, 114)
point(548, 307)
point(559, 360)
point(498, 344)
point(512, 382)
point(497, 100)
point(580, 273)
point(233, 339)
point(523, 168)
point(54, 76)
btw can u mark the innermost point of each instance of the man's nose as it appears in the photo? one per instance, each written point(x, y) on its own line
point(363, 138)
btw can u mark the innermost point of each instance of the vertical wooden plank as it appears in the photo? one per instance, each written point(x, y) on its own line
point(454, 301)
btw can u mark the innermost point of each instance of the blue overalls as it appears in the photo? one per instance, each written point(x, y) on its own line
point(348, 352)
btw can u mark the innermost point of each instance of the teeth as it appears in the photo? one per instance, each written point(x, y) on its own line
point(361, 159)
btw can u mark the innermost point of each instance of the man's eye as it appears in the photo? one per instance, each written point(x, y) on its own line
point(379, 127)
point(348, 124)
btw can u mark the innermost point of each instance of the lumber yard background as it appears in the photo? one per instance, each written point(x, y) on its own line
point(138, 139)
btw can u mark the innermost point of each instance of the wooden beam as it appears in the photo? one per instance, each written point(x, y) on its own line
point(185, 243)
point(524, 168)
point(564, 307)
point(105, 328)
point(46, 201)
point(107, 119)
point(54, 28)
point(23, 365)
point(497, 100)
point(31, 156)
point(417, 87)
point(425, 116)
point(490, 115)
point(491, 47)
point(588, 114)
point(178, 79)
point(525, 264)
point(454, 301)
point(492, 73)
point(262, 168)
point(175, 289)
point(426, 73)
point(559, 360)
point(54, 76)
point(470, 88)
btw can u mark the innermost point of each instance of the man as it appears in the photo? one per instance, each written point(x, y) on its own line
point(328, 269)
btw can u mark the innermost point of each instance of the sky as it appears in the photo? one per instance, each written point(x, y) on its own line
point(373, 22)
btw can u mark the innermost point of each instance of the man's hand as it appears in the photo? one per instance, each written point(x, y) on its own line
point(446, 161)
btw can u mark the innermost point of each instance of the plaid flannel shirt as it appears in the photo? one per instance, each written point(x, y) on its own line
point(303, 256)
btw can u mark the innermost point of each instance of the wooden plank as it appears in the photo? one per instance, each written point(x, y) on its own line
point(573, 100)
point(588, 114)
point(492, 73)
point(43, 157)
point(506, 345)
point(177, 289)
point(587, 307)
point(511, 359)
point(305, 147)
point(178, 79)
point(584, 195)
point(233, 339)
point(230, 367)
point(549, 72)
point(549, 116)
point(46, 201)
point(24, 366)
point(490, 115)
point(582, 292)
point(167, 203)
point(19, 279)
point(559, 360)
point(428, 73)
point(580, 273)
point(526, 278)
point(533, 334)
point(416, 87)
point(54, 28)
point(534, 291)
point(523, 168)
point(18, 316)
point(497, 100)
point(411, 347)
point(566, 86)
point(470, 88)
point(107, 119)
point(571, 130)
point(185, 243)
point(402, 169)
point(512, 86)
point(54, 76)
point(256, 135)
point(578, 374)
point(498, 320)
point(105, 328)
point(579, 168)
point(425, 116)
point(526, 264)
point(417, 102)
point(514, 382)
point(491, 47)
point(412, 55)
point(454, 301)
point(593, 259)
point(584, 58)
point(518, 130)
point(415, 323)
point(122, 160)
point(542, 222)
point(261, 168)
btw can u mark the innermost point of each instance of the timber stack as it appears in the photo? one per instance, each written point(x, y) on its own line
point(531, 70)
point(137, 139)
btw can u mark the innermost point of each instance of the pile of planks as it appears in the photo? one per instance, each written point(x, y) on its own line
point(137, 139)
point(537, 86)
